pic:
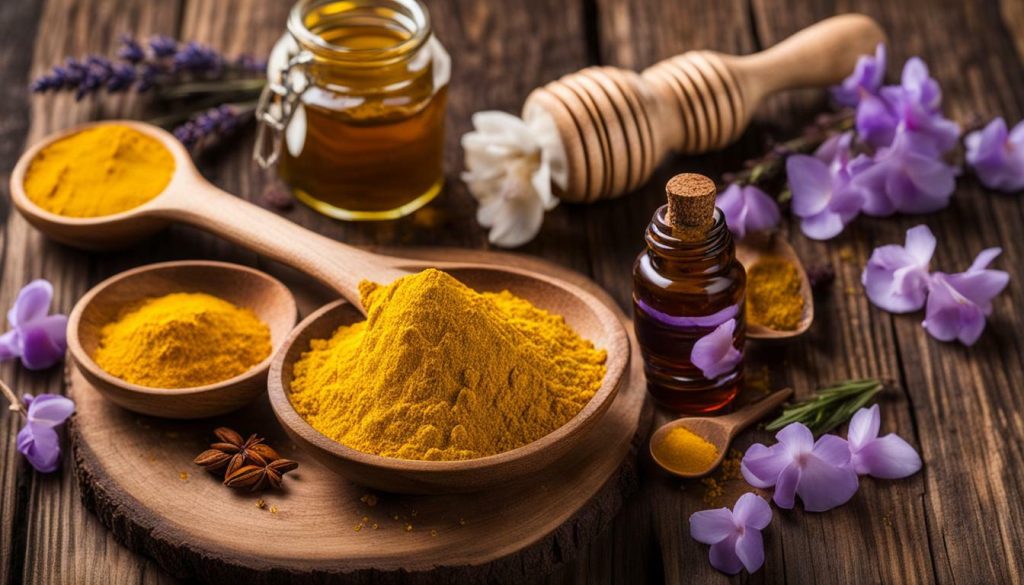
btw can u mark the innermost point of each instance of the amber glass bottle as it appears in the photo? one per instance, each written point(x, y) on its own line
point(686, 284)
point(365, 138)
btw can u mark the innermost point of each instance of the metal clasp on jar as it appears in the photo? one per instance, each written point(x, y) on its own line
point(277, 105)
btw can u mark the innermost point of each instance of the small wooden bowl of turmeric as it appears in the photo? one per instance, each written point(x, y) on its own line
point(187, 339)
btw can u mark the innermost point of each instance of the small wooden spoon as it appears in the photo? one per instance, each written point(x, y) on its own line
point(245, 287)
point(753, 248)
point(717, 430)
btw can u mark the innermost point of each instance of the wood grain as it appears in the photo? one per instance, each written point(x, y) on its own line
point(959, 521)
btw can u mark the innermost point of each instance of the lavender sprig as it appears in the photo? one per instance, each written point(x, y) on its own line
point(215, 123)
point(160, 62)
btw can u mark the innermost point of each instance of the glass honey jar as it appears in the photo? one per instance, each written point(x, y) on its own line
point(354, 109)
point(688, 302)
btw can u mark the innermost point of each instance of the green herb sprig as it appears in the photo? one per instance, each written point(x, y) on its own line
point(829, 407)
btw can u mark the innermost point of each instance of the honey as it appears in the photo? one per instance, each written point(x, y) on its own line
point(687, 283)
point(366, 139)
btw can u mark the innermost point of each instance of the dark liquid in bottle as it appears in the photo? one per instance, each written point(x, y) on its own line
point(682, 291)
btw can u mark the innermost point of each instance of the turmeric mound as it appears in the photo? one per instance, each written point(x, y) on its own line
point(774, 299)
point(102, 170)
point(182, 340)
point(439, 371)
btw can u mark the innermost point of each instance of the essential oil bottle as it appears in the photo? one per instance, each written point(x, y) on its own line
point(688, 286)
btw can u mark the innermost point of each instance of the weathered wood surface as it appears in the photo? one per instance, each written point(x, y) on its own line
point(961, 520)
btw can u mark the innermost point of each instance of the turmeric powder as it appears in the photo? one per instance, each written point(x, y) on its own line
point(439, 371)
point(182, 340)
point(685, 451)
point(99, 171)
point(774, 298)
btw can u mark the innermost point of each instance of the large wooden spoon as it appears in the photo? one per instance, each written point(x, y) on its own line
point(189, 198)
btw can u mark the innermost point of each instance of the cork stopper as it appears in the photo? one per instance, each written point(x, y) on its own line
point(691, 203)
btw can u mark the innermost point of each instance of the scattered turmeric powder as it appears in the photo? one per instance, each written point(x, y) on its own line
point(685, 451)
point(439, 371)
point(714, 486)
point(182, 340)
point(99, 171)
point(774, 298)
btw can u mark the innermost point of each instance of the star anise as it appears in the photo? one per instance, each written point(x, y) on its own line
point(258, 477)
point(231, 452)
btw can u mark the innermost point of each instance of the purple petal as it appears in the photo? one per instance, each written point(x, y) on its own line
point(723, 556)
point(752, 511)
point(715, 353)
point(888, 457)
point(43, 343)
point(875, 120)
point(866, 78)
point(33, 303)
point(823, 486)
point(810, 183)
point(822, 226)
point(863, 427)
point(10, 345)
point(949, 315)
point(41, 446)
point(750, 549)
point(748, 208)
point(796, 438)
point(921, 244)
point(896, 277)
point(984, 258)
point(50, 410)
point(762, 210)
point(711, 526)
point(832, 450)
point(785, 490)
point(762, 465)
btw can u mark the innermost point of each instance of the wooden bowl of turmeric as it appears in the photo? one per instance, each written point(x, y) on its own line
point(452, 383)
point(187, 339)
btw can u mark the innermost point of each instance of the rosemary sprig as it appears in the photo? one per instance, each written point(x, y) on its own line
point(829, 407)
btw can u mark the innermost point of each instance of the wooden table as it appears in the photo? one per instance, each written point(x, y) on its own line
point(960, 520)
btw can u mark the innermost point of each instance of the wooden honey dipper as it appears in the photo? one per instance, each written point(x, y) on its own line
point(616, 125)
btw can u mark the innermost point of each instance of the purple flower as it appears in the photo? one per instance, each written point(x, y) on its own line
point(959, 303)
point(163, 46)
point(715, 353)
point(130, 50)
point(165, 62)
point(38, 440)
point(907, 176)
point(38, 338)
point(896, 277)
point(824, 196)
point(819, 472)
point(997, 156)
point(888, 457)
point(215, 122)
point(734, 536)
point(866, 78)
point(913, 106)
point(748, 208)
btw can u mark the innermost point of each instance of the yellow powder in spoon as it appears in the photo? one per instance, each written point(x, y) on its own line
point(99, 171)
point(686, 451)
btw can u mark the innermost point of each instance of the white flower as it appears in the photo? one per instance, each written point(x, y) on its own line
point(510, 168)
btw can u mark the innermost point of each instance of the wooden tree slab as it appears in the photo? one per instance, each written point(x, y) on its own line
point(135, 473)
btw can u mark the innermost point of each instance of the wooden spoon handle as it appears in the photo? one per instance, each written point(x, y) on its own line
point(747, 415)
point(337, 265)
point(817, 56)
